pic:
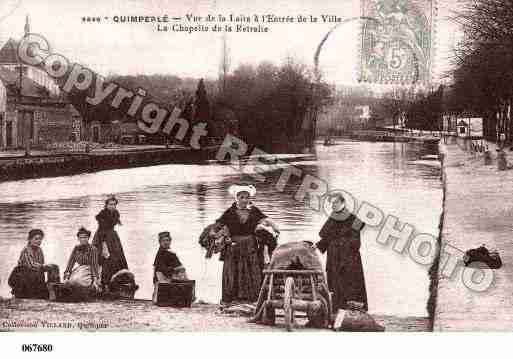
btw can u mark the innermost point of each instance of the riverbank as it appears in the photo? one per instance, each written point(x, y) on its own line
point(142, 315)
point(391, 136)
point(14, 166)
point(476, 211)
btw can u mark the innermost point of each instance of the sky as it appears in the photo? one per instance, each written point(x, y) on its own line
point(137, 48)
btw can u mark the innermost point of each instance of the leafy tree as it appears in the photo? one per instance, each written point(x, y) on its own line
point(274, 106)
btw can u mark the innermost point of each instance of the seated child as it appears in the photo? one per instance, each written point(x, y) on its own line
point(167, 266)
point(28, 277)
point(82, 278)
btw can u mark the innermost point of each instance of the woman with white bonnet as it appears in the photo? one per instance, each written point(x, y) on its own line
point(242, 270)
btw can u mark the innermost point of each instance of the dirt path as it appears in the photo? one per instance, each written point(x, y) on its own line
point(139, 315)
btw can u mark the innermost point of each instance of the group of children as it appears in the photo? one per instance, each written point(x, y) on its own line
point(94, 268)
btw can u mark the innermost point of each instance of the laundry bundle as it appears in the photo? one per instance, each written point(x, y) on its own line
point(122, 284)
point(214, 238)
point(267, 239)
point(356, 321)
point(482, 255)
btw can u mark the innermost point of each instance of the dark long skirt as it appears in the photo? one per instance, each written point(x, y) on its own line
point(345, 277)
point(116, 260)
point(29, 283)
point(242, 273)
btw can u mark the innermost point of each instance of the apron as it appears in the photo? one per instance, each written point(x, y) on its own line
point(81, 276)
point(242, 273)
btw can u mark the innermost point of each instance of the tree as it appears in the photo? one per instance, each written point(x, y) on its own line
point(201, 104)
point(273, 105)
point(483, 64)
point(426, 111)
point(394, 104)
point(224, 66)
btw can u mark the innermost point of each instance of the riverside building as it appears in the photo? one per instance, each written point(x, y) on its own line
point(33, 111)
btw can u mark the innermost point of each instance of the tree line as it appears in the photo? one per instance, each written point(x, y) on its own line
point(483, 65)
point(276, 106)
point(273, 107)
point(408, 107)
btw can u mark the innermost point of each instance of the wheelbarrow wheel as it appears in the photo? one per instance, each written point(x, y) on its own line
point(287, 303)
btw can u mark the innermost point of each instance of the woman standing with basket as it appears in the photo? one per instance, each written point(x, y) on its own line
point(242, 268)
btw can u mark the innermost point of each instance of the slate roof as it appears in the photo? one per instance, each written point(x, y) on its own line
point(30, 88)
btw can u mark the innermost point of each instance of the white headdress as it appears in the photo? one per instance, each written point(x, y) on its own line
point(236, 189)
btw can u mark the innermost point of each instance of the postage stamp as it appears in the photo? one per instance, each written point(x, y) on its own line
point(398, 47)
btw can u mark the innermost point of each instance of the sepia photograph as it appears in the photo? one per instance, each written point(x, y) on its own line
point(231, 166)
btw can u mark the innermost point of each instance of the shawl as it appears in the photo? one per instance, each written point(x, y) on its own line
point(230, 218)
point(346, 231)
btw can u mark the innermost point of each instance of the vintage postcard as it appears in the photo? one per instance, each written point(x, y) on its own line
point(232, 166)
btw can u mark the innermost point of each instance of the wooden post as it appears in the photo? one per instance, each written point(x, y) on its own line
point(502, 163)
point(27, 148)
point(510, 124)
point(487, 158)
point(271, 280)
point(314, 294)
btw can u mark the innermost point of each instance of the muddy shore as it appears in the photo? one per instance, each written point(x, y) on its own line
point(142, 315)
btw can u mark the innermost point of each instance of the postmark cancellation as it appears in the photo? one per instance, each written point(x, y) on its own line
point(397, 41)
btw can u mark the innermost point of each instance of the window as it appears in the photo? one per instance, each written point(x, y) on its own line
point(24, 70)
point(28, 120)
point(8, 134)
point(1, 129)
point(96, 133)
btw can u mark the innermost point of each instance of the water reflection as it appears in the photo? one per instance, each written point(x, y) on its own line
point(185, 199)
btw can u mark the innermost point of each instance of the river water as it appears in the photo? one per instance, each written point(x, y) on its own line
point(397, 178)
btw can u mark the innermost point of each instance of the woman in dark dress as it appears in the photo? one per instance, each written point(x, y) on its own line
point(340, 238)
point(242, 268)
point(111, 256)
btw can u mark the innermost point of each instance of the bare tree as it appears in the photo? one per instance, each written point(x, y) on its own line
point(483, 63)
